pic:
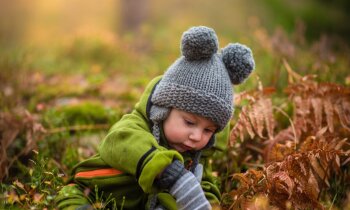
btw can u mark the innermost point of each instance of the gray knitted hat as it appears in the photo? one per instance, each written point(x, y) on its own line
point(200, 81)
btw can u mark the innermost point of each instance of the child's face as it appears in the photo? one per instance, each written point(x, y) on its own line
point(186, 131)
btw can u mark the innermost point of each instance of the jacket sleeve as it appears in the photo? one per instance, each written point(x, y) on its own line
point(130, 146)
point(70, 197)
point(210, 184)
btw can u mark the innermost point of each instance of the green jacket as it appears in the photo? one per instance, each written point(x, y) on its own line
point(123, 171)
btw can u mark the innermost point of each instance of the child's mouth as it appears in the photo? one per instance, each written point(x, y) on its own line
point(186, 148)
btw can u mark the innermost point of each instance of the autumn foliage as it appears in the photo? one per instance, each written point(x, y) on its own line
point(292, 153)
point(301, 161)
point(22, 128)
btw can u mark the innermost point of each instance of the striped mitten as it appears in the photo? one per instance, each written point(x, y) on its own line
point(198, 172)
point(188, 193)
point(184, 187)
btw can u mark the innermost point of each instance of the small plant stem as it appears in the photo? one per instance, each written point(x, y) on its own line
point(290, 71)
point(330, 208)
point(291, 123)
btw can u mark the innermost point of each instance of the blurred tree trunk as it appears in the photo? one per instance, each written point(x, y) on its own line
point(133, 14)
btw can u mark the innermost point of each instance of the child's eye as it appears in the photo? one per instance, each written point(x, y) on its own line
point(188, 122)
point(207, 130)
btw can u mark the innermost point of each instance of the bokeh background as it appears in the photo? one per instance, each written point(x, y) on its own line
point(112, 41)
point(70, 69)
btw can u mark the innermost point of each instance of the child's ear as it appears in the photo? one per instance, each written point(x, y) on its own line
point(239, 62)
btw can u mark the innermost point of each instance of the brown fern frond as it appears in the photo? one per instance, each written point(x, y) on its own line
point(298, 179)
point(338, 144)
point(254, 118)
point(316, 104)
point(276, 190)
point(343, 110)
point(308, 173)
point(312, 188)
point(346, 107)
point(328, 109)
point(248, 121)
point(268, 117)
point(318, 170)
point(324, 154)
point(302, 159)
point(243, 180)
point(241, 126)
point(251, 182)
point(280, 151)
point(301, 113)
point(297, 166)
point(283, 183)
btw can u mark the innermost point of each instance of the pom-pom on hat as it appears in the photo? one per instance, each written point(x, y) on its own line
point(200, 81)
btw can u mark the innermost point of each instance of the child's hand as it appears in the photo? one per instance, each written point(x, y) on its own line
point(160, 207)
point(85, 207)
point(188, 193)
point(198, 172)
point(184, 186)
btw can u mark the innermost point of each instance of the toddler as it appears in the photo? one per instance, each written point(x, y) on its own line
point(158, 156)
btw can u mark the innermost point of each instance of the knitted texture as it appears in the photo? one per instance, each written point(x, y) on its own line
point(206, 93)
point(200, 82)
point(153, 202)
point(157, 115)
point(171, 174)
point(198, 43)
point(160, 207)
point(238, 60)
point(188, 193)
point(85, 207)
point(198, 172)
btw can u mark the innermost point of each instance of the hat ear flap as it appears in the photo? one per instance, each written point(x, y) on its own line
point(239, 62)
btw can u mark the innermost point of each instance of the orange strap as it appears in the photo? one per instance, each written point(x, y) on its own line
point(98, 172)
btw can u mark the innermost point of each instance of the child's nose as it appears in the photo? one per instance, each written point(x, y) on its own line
point(196, 135)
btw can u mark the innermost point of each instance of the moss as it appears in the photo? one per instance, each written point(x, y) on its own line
point(85, 113)
point(70, 157)
point(46, 92)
